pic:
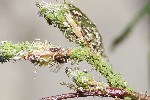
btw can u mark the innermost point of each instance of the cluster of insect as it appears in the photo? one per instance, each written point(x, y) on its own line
point(44, 54)
point(74, 24)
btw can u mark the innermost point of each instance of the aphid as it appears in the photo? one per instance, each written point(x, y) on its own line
point(60, 58)
point(76, 29)
point(59, 61)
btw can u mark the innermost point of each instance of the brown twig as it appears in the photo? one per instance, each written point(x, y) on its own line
point(109, 92)
point(138, 96)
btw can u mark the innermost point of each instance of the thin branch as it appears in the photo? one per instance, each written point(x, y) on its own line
point(138, 96)
point(85, 82)
point(45, 54)
point(110, 92)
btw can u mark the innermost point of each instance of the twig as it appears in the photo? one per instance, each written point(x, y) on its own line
point(109, 92)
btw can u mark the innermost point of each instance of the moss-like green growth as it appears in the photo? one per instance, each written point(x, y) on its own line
point(8, 50)
point(74, 24)
point(127, 98)
point(101, 65)
point(35, 52)
point(84, 80)
point(26, 51)
point(80, 78)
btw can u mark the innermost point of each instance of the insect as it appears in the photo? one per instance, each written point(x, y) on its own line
point(74, 24)
point(60, 58)
point(59, 61)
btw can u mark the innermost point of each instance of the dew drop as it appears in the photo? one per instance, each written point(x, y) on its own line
point(34, 77)
point(85, 70)
point(35, 71)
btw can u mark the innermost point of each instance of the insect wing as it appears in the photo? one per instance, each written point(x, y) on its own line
point(55, 67)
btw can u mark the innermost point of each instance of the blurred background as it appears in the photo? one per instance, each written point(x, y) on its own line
point(19, 21)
